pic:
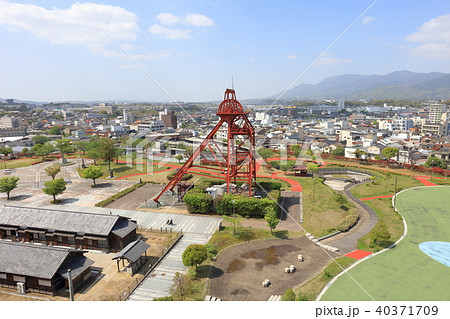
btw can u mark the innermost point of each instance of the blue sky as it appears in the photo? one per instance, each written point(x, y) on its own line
point(55, 50)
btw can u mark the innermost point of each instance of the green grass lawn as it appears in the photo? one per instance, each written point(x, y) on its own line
point(16, 163)
point(405, 272)
point(321, 212)
point(385, 185)
point(386, 214)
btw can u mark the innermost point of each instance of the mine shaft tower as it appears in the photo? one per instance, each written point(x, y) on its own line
point(238, 162)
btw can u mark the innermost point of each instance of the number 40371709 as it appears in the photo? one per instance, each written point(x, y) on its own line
point(407, 310)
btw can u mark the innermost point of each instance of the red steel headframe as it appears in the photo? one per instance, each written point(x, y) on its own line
point(238, 164)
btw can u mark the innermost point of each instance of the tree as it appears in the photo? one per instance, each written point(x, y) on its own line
point(181, 287)
point(39, 139)
point(53, 170)
point(296, 149)
point(313, 168)
point(435, 162)
point(289, 295)
point(43, 150)
point(265, 153)
point(235, 220)
point(7, 184)
point(54, 187)
point(271, 218)
point(359, 153)
point(389, 152)
point(338, 151)
point(64, 147)
point(107, 151)
point(25, 150)
point(198, 202)
point(55, 130)
point(413, 157)
point(179, 157)
point(194, 255)
point(119, 153)
point(188, 151)
point(5, 150)
point(380, 234)
point(93, 172)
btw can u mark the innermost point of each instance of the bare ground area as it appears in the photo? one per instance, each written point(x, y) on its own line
point(240, 270)
point(107, 285)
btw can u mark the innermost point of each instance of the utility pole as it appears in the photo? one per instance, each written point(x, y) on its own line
point(314, 198)
point(395, 193)
point(69, 271)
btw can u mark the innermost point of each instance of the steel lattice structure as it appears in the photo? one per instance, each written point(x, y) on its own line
point(237, 163)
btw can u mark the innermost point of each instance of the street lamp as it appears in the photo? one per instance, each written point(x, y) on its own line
point(234, 216)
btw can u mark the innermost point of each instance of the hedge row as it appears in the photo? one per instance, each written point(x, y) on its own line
point(120, 194)
point(198, 202)
point(349, 221)
point(248, 206)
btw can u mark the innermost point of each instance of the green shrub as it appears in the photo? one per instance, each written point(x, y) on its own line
point(198, 202)
point(349, 221)
point(289, 295)
point(185, 177)
point(247, 206)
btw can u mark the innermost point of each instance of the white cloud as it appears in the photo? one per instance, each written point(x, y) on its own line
point(329, 59)
point(170, 33)
point(433, 38)
point(291, 56)
point(167, 18)
point(367, 20)
point(72, 26)
point(198, 20)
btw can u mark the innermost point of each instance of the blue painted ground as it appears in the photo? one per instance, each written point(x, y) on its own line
point(438, 250)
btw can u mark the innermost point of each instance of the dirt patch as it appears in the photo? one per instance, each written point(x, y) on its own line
point(244, 267)
point(236, 264)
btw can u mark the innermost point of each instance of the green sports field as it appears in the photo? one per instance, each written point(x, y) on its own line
point(405, 272)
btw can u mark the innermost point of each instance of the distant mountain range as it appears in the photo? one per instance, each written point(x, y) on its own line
point(396, 85)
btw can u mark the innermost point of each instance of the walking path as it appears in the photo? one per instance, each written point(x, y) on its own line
point(157, 284)
point(348, 241)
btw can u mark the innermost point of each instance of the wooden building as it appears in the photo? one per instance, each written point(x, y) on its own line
point(42, 269)
point(66, 228)
point(300, 170)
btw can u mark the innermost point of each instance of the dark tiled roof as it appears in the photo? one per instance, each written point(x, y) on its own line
point(32, 260)
point(76, 263)
point(133, 251)
point(123, 227)
point(99, 224)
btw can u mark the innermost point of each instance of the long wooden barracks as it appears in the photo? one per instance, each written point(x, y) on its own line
point(66, 228)
point(41, 268)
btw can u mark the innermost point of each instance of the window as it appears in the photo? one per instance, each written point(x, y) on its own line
point(89, 242)
point(19, 278)
point(58, 238)
point(44, 282)
point(11, 232)
point(71, 240)
point(103, 243)
point(2, 275)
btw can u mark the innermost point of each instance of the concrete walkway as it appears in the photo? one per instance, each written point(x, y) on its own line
point(348, 241)
point(157, 284)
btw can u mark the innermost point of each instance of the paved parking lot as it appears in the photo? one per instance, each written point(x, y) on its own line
point(78, 192)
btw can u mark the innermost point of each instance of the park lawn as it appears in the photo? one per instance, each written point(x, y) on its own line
point(311, 289)
point(322, 215)
point(385, 185)
point(387, 215)
point(404, 272)
point(224, 237)
point(21, 162)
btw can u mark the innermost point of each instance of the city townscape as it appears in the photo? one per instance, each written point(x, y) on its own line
point(334, 191)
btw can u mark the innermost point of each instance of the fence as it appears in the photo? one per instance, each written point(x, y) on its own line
point(148, 267)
